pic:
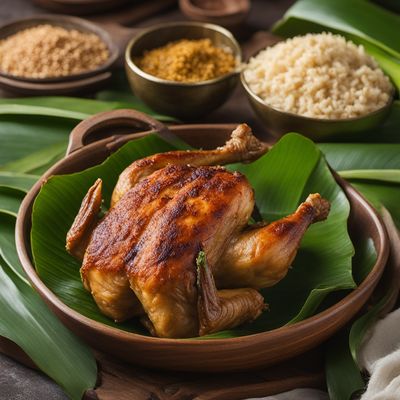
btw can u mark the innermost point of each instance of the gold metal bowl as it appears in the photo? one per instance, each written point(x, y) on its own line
point(178, 99)
point(321, 130)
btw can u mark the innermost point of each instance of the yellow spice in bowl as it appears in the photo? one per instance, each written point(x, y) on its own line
point(187, 61)
point(319, 76)
point(48, 51)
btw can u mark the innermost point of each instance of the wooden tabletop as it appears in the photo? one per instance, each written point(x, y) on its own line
point(19, 382)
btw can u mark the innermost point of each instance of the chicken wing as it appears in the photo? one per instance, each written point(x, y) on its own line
point(242, 146)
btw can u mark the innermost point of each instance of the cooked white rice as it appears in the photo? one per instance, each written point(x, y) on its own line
point(320, 76)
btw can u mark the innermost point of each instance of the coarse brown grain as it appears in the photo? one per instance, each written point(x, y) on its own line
point(187, 61)
point(45, 51)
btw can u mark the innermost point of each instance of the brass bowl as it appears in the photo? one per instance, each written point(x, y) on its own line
point(178, 99)
point(318, 129)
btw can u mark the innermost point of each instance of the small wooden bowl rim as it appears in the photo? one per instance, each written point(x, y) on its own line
point(189, 7)
point(249, 340)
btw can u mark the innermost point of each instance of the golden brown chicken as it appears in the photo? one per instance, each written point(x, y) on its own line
point(175, 247)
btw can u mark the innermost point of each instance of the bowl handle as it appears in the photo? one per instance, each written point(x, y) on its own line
point(109, 126)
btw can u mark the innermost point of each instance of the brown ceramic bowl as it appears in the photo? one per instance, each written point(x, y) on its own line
point(181, 99)
point(68, 23)
point(215, 355)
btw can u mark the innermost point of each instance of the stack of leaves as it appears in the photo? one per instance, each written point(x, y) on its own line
point(34, 134)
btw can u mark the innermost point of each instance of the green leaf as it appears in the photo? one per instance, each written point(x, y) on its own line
point(356, 17)
point(27, 321)
point(10, 199)
point(38, 161)
point(31, 125)
point(74, 107)
point(381, 194)
point(17, 180)
point(40, 110)
point(8, 251)
point(352, 156)
point(384, 175)
point(343, 377)
point(323, 264)
point(20, 136)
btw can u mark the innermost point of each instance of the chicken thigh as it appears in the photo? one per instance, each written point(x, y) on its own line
point(175, 248)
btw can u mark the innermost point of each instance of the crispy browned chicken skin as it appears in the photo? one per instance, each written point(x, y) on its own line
point(175, 247)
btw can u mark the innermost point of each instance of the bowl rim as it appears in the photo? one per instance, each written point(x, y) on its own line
point(23, 250)
point(132, 66)
point(263, 103)
point(58, 20)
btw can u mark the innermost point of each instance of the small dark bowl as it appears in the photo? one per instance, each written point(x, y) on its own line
point(66, 22)
point(179, 99)
point(318, 129)
point(225, 13)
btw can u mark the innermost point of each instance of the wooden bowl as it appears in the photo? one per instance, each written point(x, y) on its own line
point(214, 355)
point(222, 12)
point(88, 80)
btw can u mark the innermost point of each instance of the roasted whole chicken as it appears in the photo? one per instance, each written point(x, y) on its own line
point(175, 247)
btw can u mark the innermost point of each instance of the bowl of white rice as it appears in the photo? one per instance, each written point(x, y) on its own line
point(320, 85)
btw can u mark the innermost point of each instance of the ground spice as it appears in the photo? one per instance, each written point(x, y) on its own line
point(187, 61)
point(46, 51)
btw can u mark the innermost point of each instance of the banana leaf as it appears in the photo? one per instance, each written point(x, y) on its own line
point(365, 156)
point(10, 199)
point(37, 162)
point(343, 378)
point(8, 251)
point(22, 135)
point(383, 175)
point(17, 180)
point(27, 321)
point(72, 107)
point(359, 18)
point(323, 264)
point(381, 194)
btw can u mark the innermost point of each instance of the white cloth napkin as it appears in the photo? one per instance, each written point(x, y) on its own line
point(379, 355)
